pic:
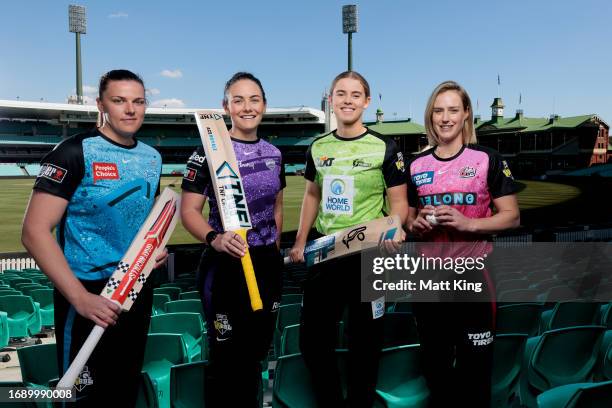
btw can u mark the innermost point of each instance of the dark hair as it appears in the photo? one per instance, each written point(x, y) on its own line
point(117, 75)
point(238, 76)
point(353, 75)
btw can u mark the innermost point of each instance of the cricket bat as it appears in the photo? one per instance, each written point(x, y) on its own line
point(131, 272)
point(350, 240)
point(228, 188)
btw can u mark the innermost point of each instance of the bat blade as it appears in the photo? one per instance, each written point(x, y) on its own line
point(228, 187)
point(131, 273)
point(351, 240)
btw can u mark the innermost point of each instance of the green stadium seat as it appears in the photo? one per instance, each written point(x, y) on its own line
point(44, 297)
point(159, 300)
point(194, 294)
point(290, 340)
point(173, 292)
point(22, 315)
point(38, 364)
point(569, 314)
point(287, 315)
point(291, 298)
point(189, 325)
point(162, 351)
point(14, 281)
point(10, 292)
point(580, 395)
point(146, 393)
point(603, 370)
point(26, 289)
point(508, 352)
point(187, 385)
point(518, 318)
point(4, 330)
point(400, 381)
point(188, 305)
point(558, 357)
point(399, 329)
point(606, 315)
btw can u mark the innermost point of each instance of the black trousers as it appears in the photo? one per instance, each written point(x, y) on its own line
point(329, 289)
point(456, 338)
point(239, 339)
point(113, 371)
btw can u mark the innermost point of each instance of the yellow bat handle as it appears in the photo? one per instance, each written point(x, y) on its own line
point(249, 274)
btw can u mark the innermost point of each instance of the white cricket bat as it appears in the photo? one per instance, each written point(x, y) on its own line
point(132, 272)
point(229, 192)
point(350, 240)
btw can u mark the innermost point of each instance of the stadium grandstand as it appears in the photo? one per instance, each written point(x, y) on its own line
point(28, 130)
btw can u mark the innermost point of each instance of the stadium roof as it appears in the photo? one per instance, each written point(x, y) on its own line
point(519, 123)
point(397, 127)
point(64, 112)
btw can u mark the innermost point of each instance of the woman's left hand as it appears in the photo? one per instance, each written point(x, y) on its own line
point(390, 247)
point(451, 217)
point(161, 259)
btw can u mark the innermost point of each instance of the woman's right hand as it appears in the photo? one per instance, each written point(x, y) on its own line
point(230, 243)
point(296, 253)
point(420, 225)
point(98, 309)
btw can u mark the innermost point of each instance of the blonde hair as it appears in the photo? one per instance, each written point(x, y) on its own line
point(469, 133)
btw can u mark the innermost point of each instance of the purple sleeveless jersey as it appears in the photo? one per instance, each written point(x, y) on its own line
point(263, 176)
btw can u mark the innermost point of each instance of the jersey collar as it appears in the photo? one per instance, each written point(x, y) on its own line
point(348, 139)
point(97, 132)
point(448, 158)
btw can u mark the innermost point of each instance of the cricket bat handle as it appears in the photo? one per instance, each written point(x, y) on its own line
point(81, 358)
point(249, 275)
point(287, 260)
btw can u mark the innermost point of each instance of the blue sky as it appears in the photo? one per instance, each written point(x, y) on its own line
point(557, 54)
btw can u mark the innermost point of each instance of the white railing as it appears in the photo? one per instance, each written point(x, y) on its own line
point(17, 263)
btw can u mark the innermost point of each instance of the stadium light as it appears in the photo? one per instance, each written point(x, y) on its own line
point(77, 23)
point(349, 26)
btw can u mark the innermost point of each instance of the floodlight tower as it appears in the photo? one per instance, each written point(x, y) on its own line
point(349, 26)
point(77, 23)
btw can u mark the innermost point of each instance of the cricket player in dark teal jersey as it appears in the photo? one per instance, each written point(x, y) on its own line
point(96, 189)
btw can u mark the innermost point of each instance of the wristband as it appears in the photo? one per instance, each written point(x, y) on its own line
point(210, 237)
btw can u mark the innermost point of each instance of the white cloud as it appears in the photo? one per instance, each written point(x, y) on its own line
point(172, 74)
point(168, 103)
point(119, 14)
point(88, 100)
point(88, 89)
point(153, 91)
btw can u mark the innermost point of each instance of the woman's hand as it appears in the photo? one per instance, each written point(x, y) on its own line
point(420, 225)
point(296, 253)
point(98, 309)
point(451, 217)
point(230, 243)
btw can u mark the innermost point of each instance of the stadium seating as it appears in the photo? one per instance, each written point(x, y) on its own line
point(187, 385)
point(33, 371)
point(287, 315)
point(173, 292)
point(580, 395)
point(606, 315)
point(146, 393)
point(10, 170)
point(518, 318)
point(159, 300)
point(290, 340)
point(44, 297)
point(548, 364)
point(568, 314)
point(291, 298)
point(188, 305)
point(189, 325)
point(400, 381)
point(21, 313)
point(194, 294)
point(508, 355)
point(4, 330)
point(399, 329)
point(163, 350)
point(603, 370)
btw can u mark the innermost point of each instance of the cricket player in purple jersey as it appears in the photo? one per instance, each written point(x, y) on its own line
point(239, 338)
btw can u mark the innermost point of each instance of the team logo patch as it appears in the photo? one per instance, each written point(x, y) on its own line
point(190, 174)
point(105, 171)
point(52, 172)
point(423, 178)
point(325, 161)
point(467, 172)
point(361, 163)
point(270, 164)
point(506, 170)
point(222, 325)
point(84, 379)
point(399, 163)
point(196, 159)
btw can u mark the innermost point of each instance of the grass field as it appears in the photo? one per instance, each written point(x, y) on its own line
point(15, 194)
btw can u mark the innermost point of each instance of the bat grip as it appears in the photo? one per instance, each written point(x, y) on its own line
point(287, 260)
point(249, 275)
point(81, 358)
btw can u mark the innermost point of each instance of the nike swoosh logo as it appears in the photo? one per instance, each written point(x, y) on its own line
point(218, 339)
point(125, 161)
point(442, 172)
point(248, 153)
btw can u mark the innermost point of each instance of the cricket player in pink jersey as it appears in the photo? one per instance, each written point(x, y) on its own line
point(452, 191)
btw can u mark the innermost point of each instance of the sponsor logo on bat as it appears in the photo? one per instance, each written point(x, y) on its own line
point(357, 233)
point(213, 116)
